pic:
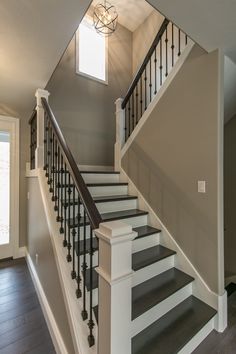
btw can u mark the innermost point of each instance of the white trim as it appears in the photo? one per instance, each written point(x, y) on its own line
point(14, 183)
point(29, 172)
point(158, 96)
point(200, 289)
point(55, 333)
point(20, 253)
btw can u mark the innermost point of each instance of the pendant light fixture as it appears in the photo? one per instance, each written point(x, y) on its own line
point(105, 18)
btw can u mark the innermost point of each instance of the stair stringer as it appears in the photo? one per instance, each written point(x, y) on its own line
point(200, 289)
point(79, 329)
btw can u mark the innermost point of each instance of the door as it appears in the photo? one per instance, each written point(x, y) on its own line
point(9, 221)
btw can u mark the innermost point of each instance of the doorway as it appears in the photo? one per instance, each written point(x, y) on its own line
point(9, 187)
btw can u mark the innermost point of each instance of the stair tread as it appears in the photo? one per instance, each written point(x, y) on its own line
point(149, 256)
point(103, 199)
point(146, 230)
point(115, 215)
point(175, 329)
point(151, 292)
point(144, 262)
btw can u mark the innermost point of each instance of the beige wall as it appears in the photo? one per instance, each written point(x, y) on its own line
point(39, 243)
point(85, 108)
point(143, 37)
point(230, 197)
point(177, 146)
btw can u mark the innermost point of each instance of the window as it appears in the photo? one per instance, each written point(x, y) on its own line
point(4, 187)
point(91, 53)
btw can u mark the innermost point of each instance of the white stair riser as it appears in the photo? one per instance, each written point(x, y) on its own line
point(145, 242)
point(153, 270)
point(198, 338)
point(100, 177)
point(108, 190)
point(156, 312)
point(107, 207)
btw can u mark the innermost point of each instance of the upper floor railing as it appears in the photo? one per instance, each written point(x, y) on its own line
point(165, 50)
point(33, 138)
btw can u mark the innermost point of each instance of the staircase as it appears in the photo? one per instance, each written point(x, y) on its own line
point(164, 313)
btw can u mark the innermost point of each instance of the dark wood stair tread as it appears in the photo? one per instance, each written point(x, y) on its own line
point(151, 292)
point(87, 246)
point(106, 184)
point(146, 230)
point(104, 199)
point(116, 215)
point(175, 329)
point(100, 172)
point(149, 256)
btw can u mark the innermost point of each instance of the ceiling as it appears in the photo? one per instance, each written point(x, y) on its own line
point(131, 12)
point(33, 36)
point(211, 23)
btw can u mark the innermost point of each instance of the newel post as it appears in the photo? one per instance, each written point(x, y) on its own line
point(120, 132)
point(39, 159)
point(115, 285)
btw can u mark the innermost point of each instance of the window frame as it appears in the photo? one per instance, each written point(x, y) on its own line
point(77, 48)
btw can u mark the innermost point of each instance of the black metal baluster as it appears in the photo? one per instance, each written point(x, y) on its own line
point(150, 79)
point(56, 177)
point(155, 63)
point(129, 109)
point(69, 221)
point(172, 44)
point(45, 143)
point(65, 207)
point(47, 147)
point(141, 96)
point(179, 42)
point(136, 104)
point(84, 268)
point(73, 272)
point(161, 67)
point(78, 290)
point(61, 181)
point(186, 39)
point(133, 122)
point(50, 160)
point(58, 173)
point(125, 110)
point(166, 41)
point(145, 87)
point(53, 167)
point(91, 339)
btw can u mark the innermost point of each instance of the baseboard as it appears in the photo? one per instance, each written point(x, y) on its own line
point(19, 252)
point(48, 314)
point(95, 168)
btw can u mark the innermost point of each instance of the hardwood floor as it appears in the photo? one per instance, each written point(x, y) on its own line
point(222, 343)
point(22, 325)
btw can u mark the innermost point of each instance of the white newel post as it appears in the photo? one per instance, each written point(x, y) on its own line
point(115, 286)
point(39, 160)
point(120, 132)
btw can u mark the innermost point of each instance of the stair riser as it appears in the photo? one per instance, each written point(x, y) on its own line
point(198, 338)
point(100, 178)
point(145, 242)
point(133, 221)
point(107, 207)
point(108, 190)
point(156, 312)
point(151, 271)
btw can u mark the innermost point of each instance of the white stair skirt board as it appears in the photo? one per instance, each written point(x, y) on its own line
point(79, 329)
point(198, 338)
point(48, 314)
point(100, 177)
point(143, 243)
point(200, 288)
point(152, 270)
point(158, 96)
point(156, 312)
point(108, 190)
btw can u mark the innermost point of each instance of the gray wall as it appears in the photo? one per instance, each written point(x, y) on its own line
point(230, 197)
point(177, 146)
point(84, 107)
point(229, 89)
point(39, 242)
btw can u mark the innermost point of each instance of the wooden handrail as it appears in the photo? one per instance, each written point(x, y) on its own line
point(33, 115)
point(145, 62)
point(84, 194)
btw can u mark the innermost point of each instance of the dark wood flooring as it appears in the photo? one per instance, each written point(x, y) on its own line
point(222, 343)
point(22, 325)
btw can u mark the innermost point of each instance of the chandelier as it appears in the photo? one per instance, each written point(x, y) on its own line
point(105, 18)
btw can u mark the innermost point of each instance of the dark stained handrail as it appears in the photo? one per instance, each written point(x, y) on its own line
point(32, 115)
point(145, 62)
point(85, 196)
